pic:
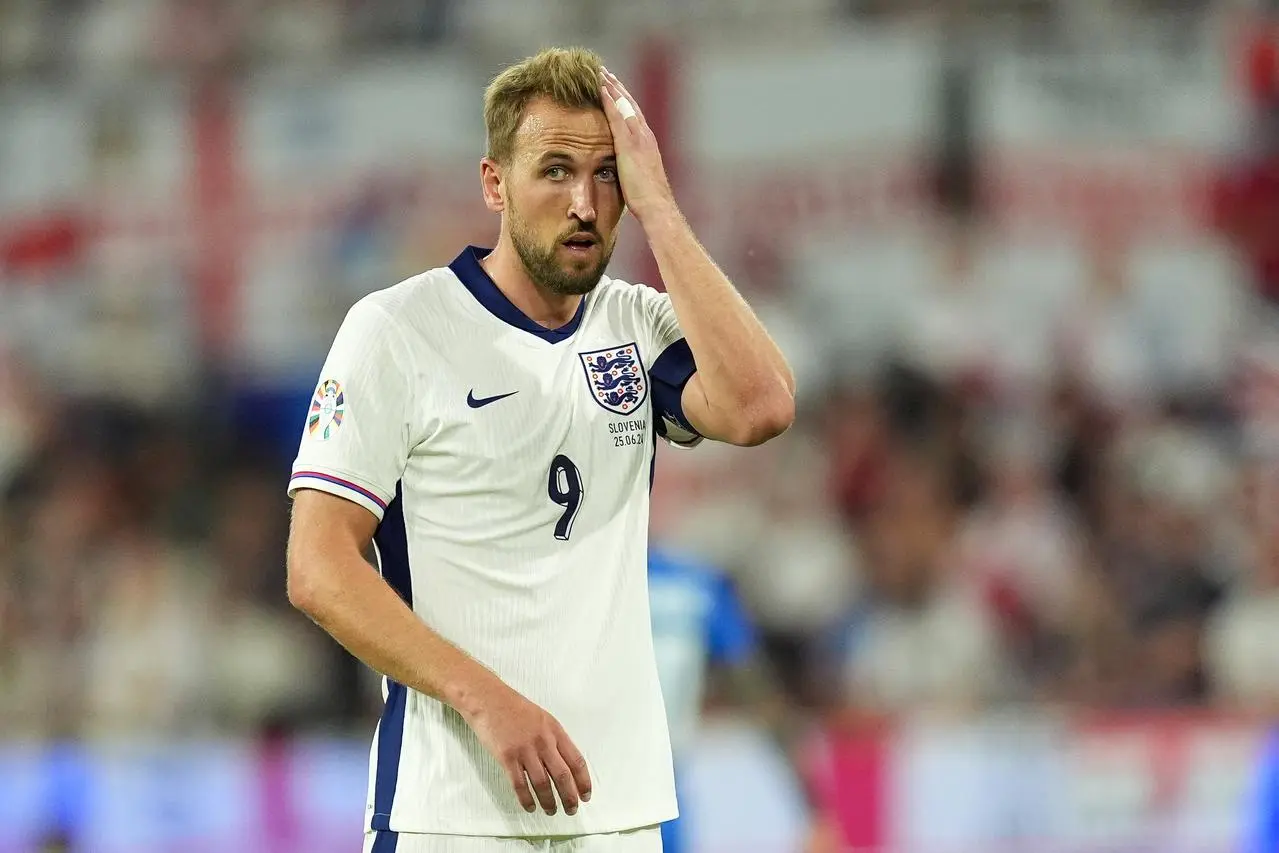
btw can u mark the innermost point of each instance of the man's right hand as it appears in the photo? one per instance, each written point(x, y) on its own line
point(533, 748)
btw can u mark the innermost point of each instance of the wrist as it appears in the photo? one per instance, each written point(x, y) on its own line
point(661, 220)
point(466, 694)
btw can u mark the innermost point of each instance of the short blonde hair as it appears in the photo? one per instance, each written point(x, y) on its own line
point(568, 76)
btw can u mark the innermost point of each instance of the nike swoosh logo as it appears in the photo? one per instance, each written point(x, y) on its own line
point(484, 401)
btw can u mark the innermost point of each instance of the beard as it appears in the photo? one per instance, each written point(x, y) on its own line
point(547, 270)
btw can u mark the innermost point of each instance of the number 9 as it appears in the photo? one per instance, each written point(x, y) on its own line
point(564, 487)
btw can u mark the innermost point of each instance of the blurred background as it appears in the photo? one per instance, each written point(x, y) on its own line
point(1013, 575)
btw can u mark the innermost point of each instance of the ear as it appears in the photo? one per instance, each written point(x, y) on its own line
point(491, 182)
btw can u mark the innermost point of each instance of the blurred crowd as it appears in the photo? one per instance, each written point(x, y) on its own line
point(1026, 470)
point(1010, 497)
point(141, 577)
point(57, 37)
point(139, 35)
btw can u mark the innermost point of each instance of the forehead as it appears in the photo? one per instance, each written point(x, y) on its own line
point(547, 126)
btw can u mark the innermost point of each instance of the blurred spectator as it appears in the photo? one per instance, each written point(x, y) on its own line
point(21, 414)
point(803, 571)
point(1102, 339)
point(855, 437)
point(1162, 563)
point(144, 652)
point(246, 610)
point(921, 639)
point(1020, 547)
point(1241, 646)
point(949, 337)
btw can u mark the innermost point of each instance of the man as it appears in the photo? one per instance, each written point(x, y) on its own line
point(490, 426)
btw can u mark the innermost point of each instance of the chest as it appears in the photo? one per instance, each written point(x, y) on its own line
point(504, 416)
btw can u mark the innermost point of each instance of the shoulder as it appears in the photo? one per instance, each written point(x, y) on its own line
point(628, 309)
point(409, 296)
point(616, 292)
point(408, 308)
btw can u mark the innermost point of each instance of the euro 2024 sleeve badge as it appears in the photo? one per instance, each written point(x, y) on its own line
point(328, 407)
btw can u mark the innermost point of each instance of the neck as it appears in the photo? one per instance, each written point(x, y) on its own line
point(540, 305)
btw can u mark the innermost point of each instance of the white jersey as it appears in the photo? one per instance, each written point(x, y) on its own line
point(510, 467)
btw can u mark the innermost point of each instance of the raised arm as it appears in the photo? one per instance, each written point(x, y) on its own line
point(743, 391)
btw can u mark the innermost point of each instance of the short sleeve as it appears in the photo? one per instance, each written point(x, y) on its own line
point(731, 638)
point(355, 441)
point(670, 371)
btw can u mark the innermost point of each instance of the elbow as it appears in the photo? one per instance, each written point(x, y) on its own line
point(766, 419)
point(302, 587)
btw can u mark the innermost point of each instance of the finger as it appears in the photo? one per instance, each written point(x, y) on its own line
point(624, 107)
point(576, 763)
point(623, 92)
point(616, 120)
point(607, 84)
point(565, 785)
point(627, 110)
point(519, 783)
point(541, 782)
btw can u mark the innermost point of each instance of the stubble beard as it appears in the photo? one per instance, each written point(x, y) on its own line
point(545, 268)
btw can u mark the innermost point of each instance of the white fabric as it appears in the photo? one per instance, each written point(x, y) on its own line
point(647, 840)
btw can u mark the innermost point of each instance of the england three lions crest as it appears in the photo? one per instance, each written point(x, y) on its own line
point(616, 377)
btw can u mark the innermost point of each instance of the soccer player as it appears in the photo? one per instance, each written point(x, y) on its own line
point(489, 426)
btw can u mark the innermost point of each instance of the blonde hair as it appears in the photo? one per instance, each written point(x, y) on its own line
point(568, 76)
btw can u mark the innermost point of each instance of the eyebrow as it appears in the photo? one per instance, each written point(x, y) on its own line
point(549, 156)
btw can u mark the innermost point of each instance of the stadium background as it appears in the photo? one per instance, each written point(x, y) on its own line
point(1016, 566)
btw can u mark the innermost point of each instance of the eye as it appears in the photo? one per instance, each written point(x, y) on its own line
point(608, 174)
point(556, 173)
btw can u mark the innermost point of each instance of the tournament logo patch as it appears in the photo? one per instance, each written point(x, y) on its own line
point(328, 407)
point(616, 377)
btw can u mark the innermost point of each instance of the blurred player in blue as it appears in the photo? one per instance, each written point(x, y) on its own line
point(699, 623)
point(1264, 829)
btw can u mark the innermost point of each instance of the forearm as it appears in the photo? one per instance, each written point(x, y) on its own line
point(357, 608)
point(736, 358)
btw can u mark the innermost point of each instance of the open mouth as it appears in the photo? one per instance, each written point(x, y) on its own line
point(581, 242)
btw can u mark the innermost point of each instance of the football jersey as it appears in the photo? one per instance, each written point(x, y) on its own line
point(509, 466)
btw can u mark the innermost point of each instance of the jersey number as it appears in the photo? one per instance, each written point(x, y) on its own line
point(564, 487)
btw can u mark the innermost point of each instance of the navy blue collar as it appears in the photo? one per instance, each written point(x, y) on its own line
point(466, 267)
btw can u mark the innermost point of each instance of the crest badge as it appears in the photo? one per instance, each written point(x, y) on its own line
point(616, 378)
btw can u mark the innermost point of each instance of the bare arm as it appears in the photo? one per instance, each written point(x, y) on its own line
point(330, 582)
point(743, 390)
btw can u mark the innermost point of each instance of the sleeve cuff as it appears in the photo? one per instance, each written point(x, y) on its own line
point(675, 366)
point(670, 373)
point(342, 487)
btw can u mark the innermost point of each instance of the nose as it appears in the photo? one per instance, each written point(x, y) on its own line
point(582, 202)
